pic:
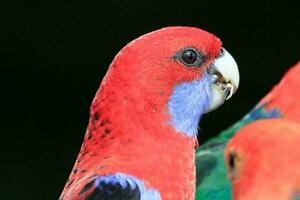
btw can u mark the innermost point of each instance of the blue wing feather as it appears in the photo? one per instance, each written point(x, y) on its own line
point(117, 187)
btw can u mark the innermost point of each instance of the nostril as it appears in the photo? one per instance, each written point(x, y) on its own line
point(222, 51)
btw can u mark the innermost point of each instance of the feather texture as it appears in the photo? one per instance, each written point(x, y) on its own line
point(131, 130)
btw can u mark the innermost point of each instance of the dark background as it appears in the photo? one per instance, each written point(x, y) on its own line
point(55, 53)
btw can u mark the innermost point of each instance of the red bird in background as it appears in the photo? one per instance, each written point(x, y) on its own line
point(281, 102)
point(263, 161)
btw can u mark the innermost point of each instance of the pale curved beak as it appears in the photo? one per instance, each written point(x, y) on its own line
point(225, 79)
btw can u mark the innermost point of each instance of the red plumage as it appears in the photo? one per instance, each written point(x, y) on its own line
point(265, 161)
point(128, 130)
point(265, 154)
point(286, 94)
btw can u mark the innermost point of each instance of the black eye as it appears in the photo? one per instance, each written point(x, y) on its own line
point(189, 57)
point(232, 169)
point(231, 161)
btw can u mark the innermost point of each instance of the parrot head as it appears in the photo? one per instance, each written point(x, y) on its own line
point(146, 113)
point(172, 75)
point(263, 161)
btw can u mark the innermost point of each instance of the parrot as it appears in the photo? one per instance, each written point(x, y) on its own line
point(142, 131)
point(262, 160)
point(281, 102)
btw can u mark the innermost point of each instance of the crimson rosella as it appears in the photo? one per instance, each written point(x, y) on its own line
point(283, 101)
point(141, 136)
point(263, 161)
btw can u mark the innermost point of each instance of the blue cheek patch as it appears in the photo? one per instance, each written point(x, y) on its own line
point(187, 103)
point(118, 186)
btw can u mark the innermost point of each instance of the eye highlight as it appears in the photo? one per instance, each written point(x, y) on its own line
point(190, 57)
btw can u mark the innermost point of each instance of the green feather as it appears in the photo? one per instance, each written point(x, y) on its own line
point(297, 197)
point(212, 182)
